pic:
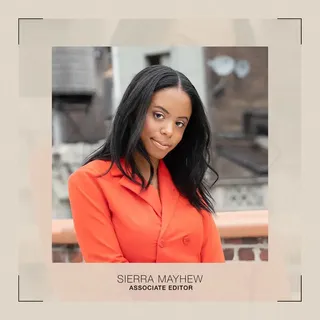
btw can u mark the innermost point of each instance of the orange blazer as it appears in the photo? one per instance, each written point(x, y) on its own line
point(115, 222)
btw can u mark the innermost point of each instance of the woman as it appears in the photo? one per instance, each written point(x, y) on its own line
point(141, 196)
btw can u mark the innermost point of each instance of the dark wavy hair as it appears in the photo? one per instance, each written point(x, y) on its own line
point(187, 163)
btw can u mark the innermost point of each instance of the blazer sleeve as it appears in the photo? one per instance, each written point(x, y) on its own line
point(212, 248)
point(92, 220)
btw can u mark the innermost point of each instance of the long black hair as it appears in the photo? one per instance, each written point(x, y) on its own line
point(188, 162)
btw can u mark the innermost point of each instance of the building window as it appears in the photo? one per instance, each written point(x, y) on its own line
point(155, 59)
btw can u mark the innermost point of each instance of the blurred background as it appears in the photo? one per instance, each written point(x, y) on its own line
point(88, 83)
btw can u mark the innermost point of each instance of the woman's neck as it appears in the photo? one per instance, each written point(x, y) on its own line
point(144, 166)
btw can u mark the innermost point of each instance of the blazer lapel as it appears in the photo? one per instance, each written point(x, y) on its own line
point(169, 195)
point(149, 195)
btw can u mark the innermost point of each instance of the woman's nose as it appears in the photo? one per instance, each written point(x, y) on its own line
point(167, 129)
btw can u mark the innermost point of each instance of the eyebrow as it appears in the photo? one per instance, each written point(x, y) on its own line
point(167, 112)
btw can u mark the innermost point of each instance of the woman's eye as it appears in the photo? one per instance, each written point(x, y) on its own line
point(158, 115)
point(180, 124)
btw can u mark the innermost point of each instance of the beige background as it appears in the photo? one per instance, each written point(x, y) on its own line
point(285, 174)
point(237, 282)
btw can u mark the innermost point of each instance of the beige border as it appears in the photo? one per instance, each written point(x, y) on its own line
point(226, 282)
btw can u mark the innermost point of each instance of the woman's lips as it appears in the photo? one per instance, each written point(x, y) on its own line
point(160, 145)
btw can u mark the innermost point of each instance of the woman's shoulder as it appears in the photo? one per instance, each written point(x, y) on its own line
point(93, 169)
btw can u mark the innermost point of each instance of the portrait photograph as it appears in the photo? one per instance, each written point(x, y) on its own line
point(159, 154)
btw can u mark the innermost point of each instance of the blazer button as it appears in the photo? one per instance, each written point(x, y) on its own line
point(161, 243)
point(186, 240)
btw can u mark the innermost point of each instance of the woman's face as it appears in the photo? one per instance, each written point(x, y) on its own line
point(166, 120)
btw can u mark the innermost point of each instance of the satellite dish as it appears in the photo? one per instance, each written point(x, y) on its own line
point(242, 68)
point(222, 65)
